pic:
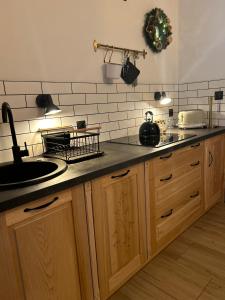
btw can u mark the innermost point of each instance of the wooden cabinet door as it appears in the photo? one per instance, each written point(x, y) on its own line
point(214, 170)
point(120, 227)
point(46, 250)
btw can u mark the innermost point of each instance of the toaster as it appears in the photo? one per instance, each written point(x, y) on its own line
point(191, 119)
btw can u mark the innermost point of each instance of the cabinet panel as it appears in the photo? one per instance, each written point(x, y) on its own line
point(214, 170)
point(120, 227)
point(47, 255)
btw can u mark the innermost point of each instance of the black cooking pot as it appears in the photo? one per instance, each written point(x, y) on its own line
point(149, 132)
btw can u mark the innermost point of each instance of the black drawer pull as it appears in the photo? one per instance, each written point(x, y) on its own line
point(167, 178)
point(41, 206)
point(167, 214)
point(197, 163)
point(121, 175)
point(195, 195)
point(195, 146)
point(166, 157)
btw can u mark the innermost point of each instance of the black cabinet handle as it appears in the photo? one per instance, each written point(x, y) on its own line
point(197, 163)
point(166, 157)
point(195, 195)
point(169, 213)
point(167, 178)
point(210, 159)
point(41, 206)
point(121, 175)
point(195, 146)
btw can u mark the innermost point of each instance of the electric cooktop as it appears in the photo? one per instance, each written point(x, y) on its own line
point(155, 141)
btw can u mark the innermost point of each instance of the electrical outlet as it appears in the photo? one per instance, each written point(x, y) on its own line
point(218, 95)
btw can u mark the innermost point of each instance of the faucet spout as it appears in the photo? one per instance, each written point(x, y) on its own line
point(8, 116)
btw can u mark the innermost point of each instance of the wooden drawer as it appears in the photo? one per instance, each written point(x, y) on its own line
point(31, 209)
point(175, 219)
point(173, 165)
point(174, 202)
point(176, 185)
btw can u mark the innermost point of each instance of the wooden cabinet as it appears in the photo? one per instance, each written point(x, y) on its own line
point(42, 256)
point(174, 194)
point(119, 216)
point(214, 170)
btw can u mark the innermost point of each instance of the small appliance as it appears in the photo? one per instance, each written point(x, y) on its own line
point(191, 119)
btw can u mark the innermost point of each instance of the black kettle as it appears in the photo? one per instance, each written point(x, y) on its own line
point(149, 132)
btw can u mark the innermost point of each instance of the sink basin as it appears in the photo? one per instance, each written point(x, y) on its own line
point(31, 171)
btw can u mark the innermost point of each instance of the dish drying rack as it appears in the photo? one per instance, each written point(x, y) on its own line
point(70, 144)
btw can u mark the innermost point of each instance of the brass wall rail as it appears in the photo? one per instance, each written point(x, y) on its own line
point(108, 47)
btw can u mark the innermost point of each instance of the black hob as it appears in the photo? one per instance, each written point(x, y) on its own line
point(156, 142)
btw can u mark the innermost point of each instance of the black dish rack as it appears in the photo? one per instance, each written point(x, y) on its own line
point(71, 145)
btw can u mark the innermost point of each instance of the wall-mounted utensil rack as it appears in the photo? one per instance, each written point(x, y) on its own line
point(97, 45)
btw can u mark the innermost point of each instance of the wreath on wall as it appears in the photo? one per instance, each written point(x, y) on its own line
point(157, 30)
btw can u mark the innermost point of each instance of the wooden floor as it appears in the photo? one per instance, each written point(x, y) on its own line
point(192, 267)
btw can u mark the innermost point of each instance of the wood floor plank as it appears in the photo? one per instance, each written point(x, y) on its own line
point(190, 268)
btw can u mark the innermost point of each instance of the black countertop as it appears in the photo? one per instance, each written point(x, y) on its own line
point(116, 156)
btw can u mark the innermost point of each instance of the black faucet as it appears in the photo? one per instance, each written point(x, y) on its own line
point(7, 115)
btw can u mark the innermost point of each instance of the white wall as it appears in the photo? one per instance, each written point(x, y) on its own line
point(52, 39)
point(201, 40)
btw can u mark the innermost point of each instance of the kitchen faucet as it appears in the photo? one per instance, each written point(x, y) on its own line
point(8, 116)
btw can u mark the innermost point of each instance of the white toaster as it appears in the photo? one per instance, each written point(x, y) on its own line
point(191, 119)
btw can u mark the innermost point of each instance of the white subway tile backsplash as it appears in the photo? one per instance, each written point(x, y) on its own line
point(142, 105)
point(98, 118)
point(124, 88)
point(198, 86)
point(25, 114)
point(127, 123)
point(6, 143)
point(170, 87)
point(121, 97)
point(118, 133)
point(206, 93)
point(96, 98)
point(126, 106)
point(182, 87)
point(72, 121)
point(116, 116)
point(6, 155)
point(31, 100)
point(18, 88)
point(148, 96)
point(215, 84)
point(111, 107)
point(106, 88)
point(188, 94)
point(2, 90)
point(142, 88)
point(134, 97)
point(35, 125)
point(15, 101)
point(133, 130)
point(72, 99)
point(134, 114)
point(85, 88)
point(201, 100)
point(109, 126)
point(88, 109)
point(56, 88)
point(104, 136)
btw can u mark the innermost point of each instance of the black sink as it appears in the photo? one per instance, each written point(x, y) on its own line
point(31, 171)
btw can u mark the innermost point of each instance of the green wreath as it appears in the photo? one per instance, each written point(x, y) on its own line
point(157, 30)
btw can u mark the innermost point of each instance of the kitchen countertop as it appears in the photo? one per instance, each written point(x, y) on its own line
point(116, 156)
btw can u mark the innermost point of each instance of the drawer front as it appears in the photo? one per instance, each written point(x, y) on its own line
point(34, 208)
point(176, 218)
point(174, 202)
point(175, 164)
point(177, 185)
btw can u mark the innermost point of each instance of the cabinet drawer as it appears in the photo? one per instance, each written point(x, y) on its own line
point(176, 218)
point(176, 185)
point(33, 208)
point(175, 201)
point(175, 164)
